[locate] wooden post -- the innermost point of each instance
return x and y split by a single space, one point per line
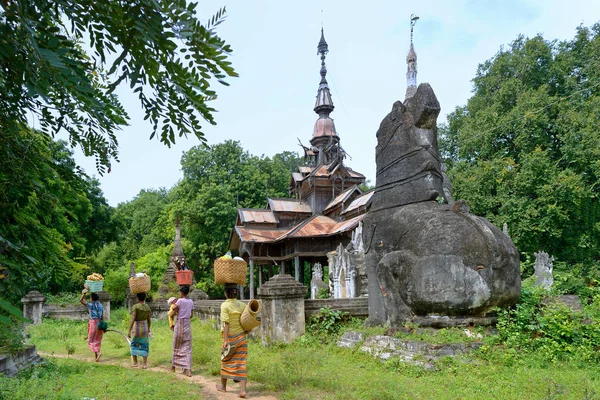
260 277
282 268
297 268
251 279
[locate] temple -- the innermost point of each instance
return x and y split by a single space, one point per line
320 223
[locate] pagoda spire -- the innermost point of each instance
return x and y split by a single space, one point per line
411 62
324 104
325 139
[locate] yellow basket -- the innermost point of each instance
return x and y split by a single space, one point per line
248 319
230 271
139 285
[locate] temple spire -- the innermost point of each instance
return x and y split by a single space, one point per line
325 138
324 104
411 62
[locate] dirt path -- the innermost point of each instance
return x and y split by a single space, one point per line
207 385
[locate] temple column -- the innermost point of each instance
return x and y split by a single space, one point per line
282 268
260 277
251 279
297 268
282 315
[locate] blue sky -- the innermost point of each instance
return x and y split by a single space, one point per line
275 52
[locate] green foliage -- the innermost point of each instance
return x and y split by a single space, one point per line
525 150
158 47
11 327
327 323
62 298
550 329
47 208
323 293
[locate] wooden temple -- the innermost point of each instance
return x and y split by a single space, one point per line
325 206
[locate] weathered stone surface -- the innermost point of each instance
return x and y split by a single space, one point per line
10 365
408 165
33 303
282 315
543 270
350 339
424 257
386 347
570 301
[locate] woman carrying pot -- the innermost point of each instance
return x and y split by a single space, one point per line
96 311
235 347
182 333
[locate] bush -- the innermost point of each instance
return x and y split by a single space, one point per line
552 330
327 323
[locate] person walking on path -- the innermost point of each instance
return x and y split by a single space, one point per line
140 344
96 311
182 337
235 347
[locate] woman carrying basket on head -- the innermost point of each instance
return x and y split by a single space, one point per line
233 362
140 344
94 337
182 337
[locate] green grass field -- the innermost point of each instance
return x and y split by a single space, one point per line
309 368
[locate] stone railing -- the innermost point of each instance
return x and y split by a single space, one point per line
34 308
76 312
356 307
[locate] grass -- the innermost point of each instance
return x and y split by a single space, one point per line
73 379
314 368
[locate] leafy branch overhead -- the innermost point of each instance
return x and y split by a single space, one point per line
62 62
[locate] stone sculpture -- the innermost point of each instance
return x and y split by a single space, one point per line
422 255
543 270
316 283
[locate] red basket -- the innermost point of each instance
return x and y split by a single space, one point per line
184 277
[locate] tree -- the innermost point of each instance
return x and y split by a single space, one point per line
157 47
525 150
45 211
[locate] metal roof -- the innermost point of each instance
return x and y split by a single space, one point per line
258 235
257 216
305 169
289 205
360 201
321 225
297 176
340 198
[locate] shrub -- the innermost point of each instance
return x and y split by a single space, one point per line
327 323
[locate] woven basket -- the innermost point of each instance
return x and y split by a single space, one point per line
139 285
95 286
184 277
230 271
248 319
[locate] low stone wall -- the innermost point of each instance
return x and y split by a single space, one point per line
76 312
411 351
10 365
356 307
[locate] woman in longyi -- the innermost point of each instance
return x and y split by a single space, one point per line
233 364
182 337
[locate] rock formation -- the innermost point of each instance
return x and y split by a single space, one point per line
424 256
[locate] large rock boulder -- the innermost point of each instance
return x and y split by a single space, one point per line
424 256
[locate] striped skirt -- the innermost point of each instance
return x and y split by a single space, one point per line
94 335
235 367
182 344
140 344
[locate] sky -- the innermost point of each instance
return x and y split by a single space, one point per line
270 105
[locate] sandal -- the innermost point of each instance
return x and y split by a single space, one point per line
242 395
144 367
134 366
221 389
